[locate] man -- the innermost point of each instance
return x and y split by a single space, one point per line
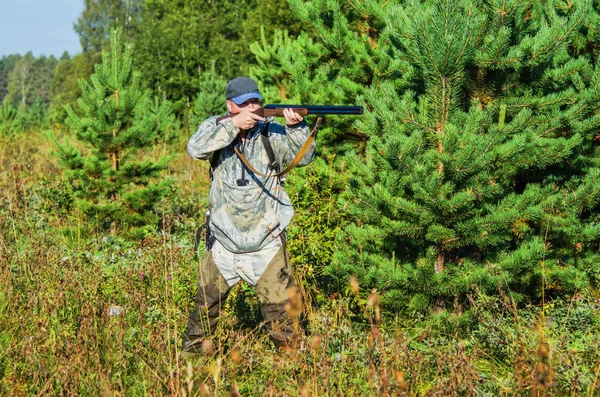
249 212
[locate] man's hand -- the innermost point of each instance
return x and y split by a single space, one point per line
246 120
291 117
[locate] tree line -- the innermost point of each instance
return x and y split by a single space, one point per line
179 45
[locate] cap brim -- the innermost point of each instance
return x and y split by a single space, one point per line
238 100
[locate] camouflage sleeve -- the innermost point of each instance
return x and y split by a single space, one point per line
210 137
288 140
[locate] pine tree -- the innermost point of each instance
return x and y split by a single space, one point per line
114 188
209 100
481 166
270 16
270 71
332 61
8 115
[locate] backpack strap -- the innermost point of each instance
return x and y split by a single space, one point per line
303 150
264 136
213 162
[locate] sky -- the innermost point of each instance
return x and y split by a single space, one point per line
41 26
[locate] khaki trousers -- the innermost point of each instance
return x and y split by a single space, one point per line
271 289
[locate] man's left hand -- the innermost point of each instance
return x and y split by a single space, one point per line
291 117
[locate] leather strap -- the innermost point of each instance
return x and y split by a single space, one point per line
273 163
303 150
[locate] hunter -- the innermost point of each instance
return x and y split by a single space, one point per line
250 212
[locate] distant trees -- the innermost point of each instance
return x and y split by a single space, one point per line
30 80
7 64
179 41
100 17
177 45
25 84
20 81
65 87
43 76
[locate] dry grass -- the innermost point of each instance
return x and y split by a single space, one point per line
57 336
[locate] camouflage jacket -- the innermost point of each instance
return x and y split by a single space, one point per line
246 218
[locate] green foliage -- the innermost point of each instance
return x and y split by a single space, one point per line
65 88
100 17
43 77
332 61
210 99
271 71
113 187
30 79
25 84
33 116
8 116
317 223
481 166
20 81
7 64
179 41
269 16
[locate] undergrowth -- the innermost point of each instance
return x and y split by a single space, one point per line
85 313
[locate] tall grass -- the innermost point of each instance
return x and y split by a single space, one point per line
82 313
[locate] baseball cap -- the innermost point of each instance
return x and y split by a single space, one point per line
240 89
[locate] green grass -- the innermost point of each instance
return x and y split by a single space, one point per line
59 279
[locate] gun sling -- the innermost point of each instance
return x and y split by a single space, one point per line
295 161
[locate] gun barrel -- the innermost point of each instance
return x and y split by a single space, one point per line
320 109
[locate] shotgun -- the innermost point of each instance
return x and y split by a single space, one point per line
303 110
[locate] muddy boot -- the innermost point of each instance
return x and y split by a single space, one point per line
273 295
212 292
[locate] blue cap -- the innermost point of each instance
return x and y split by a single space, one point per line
240 89
243 98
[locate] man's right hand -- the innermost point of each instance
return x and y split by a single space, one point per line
246 120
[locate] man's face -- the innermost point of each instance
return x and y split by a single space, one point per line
251 105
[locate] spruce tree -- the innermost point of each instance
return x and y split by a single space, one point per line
481 166
114 186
